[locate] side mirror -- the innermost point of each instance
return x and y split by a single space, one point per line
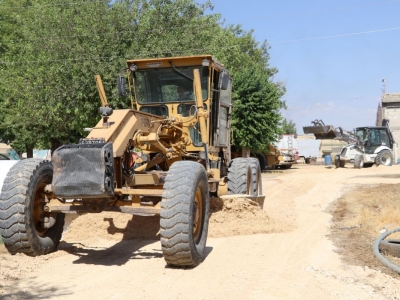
121 84
223 82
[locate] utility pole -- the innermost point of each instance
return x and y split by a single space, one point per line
384 85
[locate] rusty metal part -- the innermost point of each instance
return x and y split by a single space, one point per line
222 187
139 192
134 208
100 89
198 215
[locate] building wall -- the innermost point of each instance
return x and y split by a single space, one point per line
393 115
391 111
4 148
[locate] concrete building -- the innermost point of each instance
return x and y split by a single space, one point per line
390 110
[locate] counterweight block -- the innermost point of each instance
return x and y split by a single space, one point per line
83 171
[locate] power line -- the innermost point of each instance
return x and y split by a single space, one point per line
108 2
335 36
119 32
208 49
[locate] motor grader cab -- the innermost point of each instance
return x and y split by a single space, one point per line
166 156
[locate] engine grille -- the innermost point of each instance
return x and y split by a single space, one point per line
83 171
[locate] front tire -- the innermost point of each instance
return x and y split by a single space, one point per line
24 225
184 214
358 161
385 158
337 161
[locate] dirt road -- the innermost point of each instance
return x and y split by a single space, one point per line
294 259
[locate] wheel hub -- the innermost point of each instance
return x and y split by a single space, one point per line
197 215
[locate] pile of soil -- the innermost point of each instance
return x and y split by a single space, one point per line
237 216
229 217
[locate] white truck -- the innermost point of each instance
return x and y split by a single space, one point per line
309 150
289 150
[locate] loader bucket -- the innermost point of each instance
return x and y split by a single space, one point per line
321 132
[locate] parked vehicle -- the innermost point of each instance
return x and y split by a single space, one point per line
373 145
166 156
366 146
309 150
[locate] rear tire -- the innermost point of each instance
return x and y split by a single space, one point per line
22 217
257 180
337 161
385 158
184 214
262 160
358 161
244 177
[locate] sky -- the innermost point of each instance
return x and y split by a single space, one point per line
332 55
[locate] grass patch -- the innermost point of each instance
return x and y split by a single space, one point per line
374 208
359 216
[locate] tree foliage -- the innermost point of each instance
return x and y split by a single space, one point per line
288 127
51 51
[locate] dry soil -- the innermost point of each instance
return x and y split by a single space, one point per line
302 245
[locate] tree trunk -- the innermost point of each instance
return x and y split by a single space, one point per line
54 145
245 152
29 151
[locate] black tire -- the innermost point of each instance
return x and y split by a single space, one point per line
285 167
22 216
262 160
390 247
358 161
256 177
385 158
337 161
244 177
184 214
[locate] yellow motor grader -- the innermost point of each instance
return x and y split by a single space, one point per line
165 156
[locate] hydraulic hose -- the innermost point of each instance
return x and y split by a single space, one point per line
383 259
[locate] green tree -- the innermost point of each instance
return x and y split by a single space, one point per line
288 127
48 74
50 53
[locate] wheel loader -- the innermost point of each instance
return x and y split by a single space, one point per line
167 156
366 146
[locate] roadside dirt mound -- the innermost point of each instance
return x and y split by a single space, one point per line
234 216
359 218
237 216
